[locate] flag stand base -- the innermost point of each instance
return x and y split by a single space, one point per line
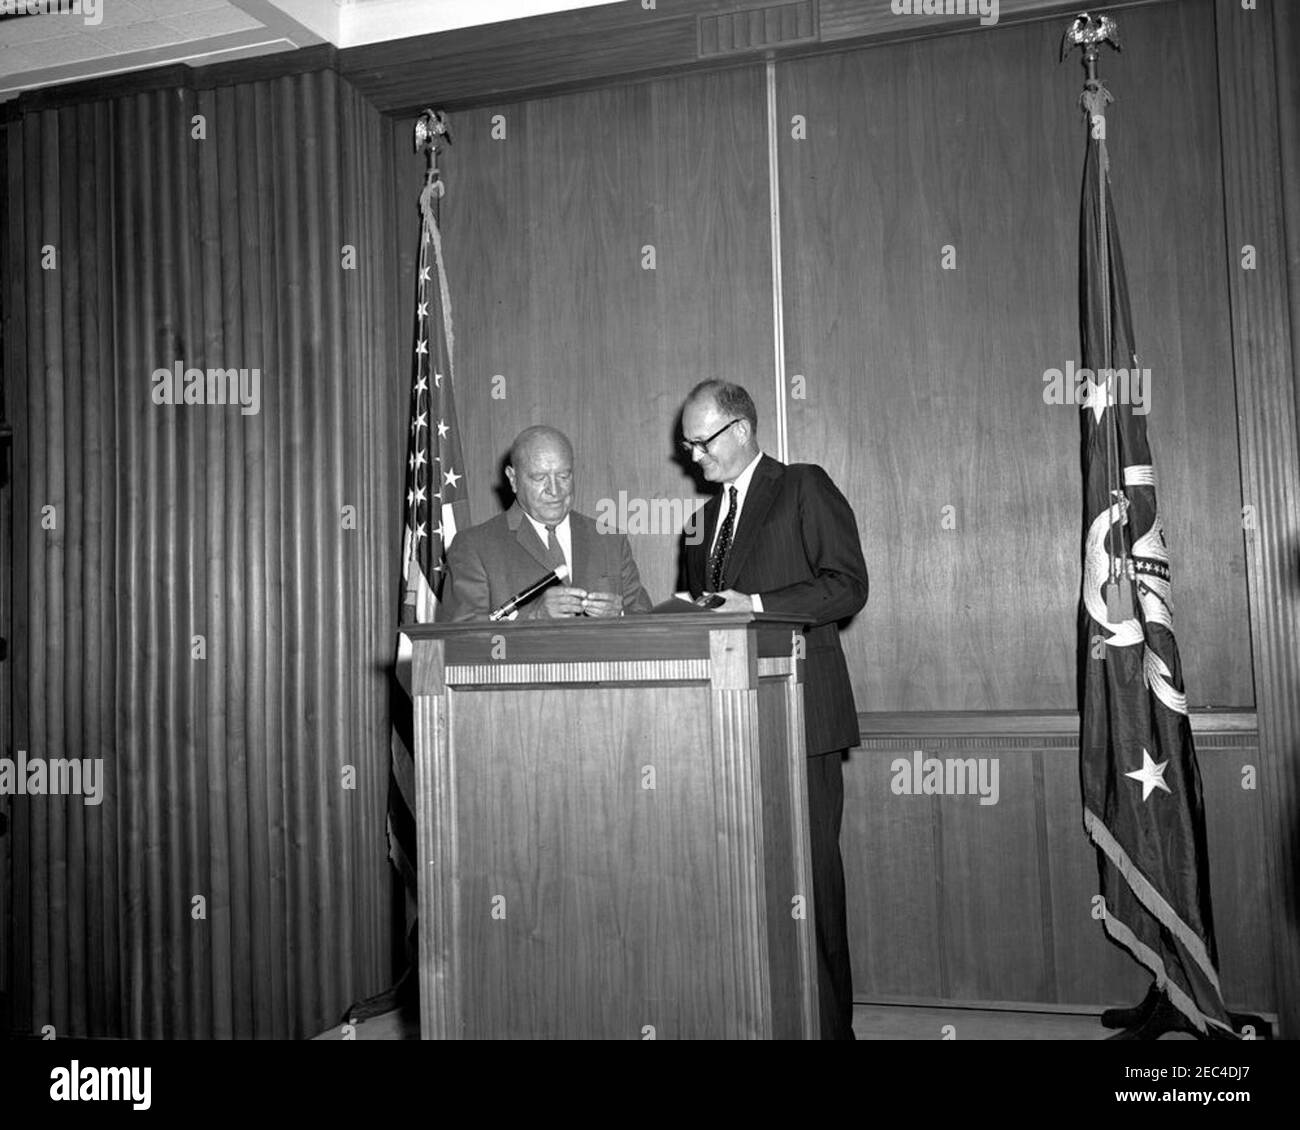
404 995
1131 1017
1156 1016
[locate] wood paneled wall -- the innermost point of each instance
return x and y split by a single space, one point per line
556 319
957 901
924 385
919 389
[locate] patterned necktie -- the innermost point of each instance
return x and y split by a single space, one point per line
724 542
553 548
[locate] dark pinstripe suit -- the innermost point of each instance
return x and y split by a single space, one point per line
797 547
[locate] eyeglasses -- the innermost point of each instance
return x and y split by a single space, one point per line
702 445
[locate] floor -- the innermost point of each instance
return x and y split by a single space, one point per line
870 1022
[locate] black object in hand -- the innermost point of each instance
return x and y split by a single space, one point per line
559 573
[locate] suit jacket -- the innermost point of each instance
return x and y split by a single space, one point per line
488 563
796 546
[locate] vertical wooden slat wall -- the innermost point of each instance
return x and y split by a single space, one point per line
211 598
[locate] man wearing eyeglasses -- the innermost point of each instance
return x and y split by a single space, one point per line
500 558
784 539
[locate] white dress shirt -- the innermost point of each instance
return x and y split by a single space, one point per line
563 534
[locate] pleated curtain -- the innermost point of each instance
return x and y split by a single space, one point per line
205 596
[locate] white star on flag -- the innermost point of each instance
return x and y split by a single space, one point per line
451 477
1097 397
442 428
1151 775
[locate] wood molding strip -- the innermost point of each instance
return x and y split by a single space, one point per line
1265 410
574 50
1033 723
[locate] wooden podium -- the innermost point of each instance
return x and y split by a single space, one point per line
612 820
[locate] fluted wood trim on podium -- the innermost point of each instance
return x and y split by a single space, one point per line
441 1005
609 671
1270 455
738 803
798 785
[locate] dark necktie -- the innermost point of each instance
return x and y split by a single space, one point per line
724 542
553 548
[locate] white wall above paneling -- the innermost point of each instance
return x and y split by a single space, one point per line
44 42
372 21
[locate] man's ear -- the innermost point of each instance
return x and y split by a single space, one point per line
510 478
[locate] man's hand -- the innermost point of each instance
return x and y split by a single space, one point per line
560 601
733 601
603 604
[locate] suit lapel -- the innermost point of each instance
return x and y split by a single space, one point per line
758 500
527 536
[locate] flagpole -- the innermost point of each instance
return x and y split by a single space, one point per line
430 127
1089 32
434 495
1133 724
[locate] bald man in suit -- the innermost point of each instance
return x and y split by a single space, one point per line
784 539
489 563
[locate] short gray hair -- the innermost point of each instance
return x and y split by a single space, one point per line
732 400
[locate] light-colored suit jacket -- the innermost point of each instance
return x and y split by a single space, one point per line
488 563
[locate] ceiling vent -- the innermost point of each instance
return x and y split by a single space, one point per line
756 29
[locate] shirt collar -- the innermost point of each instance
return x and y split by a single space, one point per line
741 481
540 527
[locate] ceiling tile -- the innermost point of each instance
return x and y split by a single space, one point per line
119 13
195 25
31 29
139 37
162 9
50 53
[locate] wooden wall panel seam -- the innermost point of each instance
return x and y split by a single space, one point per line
1266 401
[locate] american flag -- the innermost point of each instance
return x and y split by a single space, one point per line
436 506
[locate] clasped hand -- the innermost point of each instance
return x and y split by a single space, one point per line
561 600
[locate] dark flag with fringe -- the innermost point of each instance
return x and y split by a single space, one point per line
436 506
1142 803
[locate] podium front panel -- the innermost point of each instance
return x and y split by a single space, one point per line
612 824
